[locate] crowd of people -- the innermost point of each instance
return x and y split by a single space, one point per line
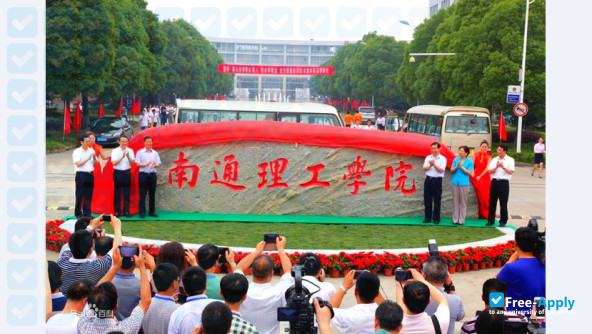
98 285
356 121
155 115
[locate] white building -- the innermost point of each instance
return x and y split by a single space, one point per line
436 5
277 53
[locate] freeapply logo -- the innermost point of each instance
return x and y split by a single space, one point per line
497 299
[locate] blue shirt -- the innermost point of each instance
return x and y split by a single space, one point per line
459 177
525 279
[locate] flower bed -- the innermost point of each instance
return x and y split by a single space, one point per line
466 259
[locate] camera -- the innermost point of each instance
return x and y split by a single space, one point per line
541 240
522 326
222 255
129 251
402 275
300 312
433 248
106 218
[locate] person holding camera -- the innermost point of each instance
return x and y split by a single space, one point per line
234 287
103 302
76 263
263 298
434 167
207 259
128 285
314 277
185 318
435 271
360 317
489 286
414 295
166 281
524 273
66 321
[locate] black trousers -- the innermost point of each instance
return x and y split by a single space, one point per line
500 189
432 191
147 185
121 181
85 182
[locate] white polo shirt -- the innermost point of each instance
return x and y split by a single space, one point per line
81 155
440 162
500 173
356 319
124 164
422 323
144 156
263 299
188 316
326 292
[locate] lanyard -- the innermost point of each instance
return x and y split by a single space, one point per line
118 275
197 298
237 314
164 298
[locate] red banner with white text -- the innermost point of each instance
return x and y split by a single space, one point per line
275 70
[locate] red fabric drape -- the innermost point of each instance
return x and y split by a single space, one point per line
482 185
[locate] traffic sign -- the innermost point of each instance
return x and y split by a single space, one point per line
520 109
513 94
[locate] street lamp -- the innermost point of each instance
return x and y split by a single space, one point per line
407 23
412 58
522 75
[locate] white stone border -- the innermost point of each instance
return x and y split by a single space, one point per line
508 236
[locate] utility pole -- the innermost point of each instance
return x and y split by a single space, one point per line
522 76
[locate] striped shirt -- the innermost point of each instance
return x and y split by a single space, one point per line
156 320
469 326
91 324
78 269
240 326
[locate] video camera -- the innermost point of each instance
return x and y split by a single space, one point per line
541 240
300 312
522 326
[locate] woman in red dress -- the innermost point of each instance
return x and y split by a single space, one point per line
482 178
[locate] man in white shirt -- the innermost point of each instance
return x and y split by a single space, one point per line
150 117
122 158
314 277
263 299
360 317
434 167
66 321
155 116
144 120
414 296
188 316
148 160
84 159
501 169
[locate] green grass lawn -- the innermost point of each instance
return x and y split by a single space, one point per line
306 236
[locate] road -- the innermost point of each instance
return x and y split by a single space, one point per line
527 198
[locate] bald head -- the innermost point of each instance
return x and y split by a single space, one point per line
262 268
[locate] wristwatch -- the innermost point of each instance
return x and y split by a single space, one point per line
343 288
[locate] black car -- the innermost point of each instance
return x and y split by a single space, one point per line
108 130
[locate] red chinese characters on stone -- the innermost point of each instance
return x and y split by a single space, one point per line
276 168
355 172
178 173
390 172
230 175
314 181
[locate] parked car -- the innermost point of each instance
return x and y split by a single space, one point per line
368 113
109 129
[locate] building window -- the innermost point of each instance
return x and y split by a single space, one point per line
433 10
297 49
272 60
272 48
322 49
247 59
297 60
318 60
224 47
228 58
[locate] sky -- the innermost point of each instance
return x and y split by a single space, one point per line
346 20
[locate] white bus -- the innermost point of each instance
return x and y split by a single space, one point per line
452 126
203 111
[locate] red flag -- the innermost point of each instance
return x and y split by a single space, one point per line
67 119
101 110
78 118
118 113
136 106
501 130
